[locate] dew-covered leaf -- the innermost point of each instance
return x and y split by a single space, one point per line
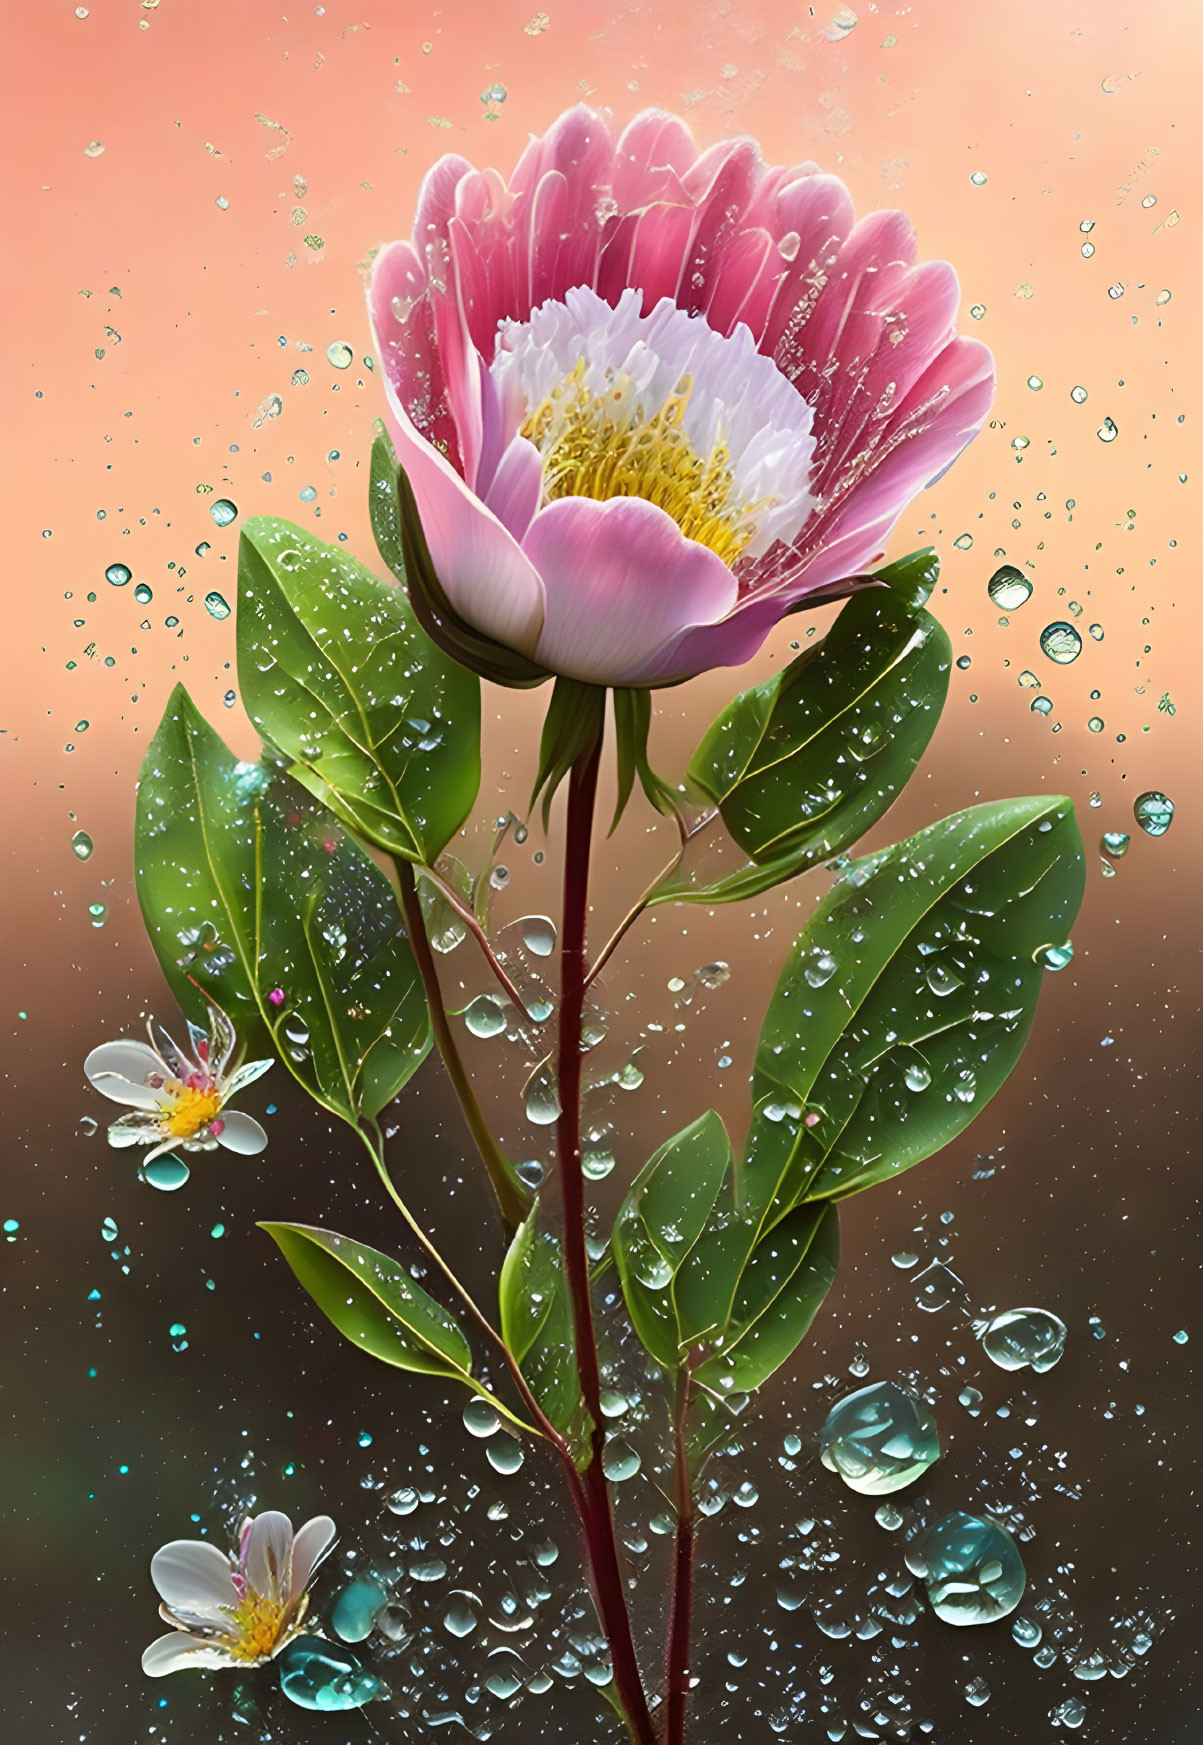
253 889
780 1289
907 1000
374 1303
802 765
660 1221
536 1322
374 719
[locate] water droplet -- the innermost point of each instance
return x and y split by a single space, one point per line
1108 430
315 1674
916 1076
484 1016
1022 1338
1154 812
223 511
597 1164
217 606
480 1418
354 1611
144 594
98 913
1035 383
505 1455
1096 631
1079 395
12 1227
713 975
1009 588
538 934
1115 843
403 1502
1060 642
619 1460
1096 724
340 354
973 1571
166 1173
887 1516
459 1618
542 1099
821 970
977 1692
879 1439
118 574
1026 1632
978 178
81 845
1181 1337
1070 1713
1054 956
108 1230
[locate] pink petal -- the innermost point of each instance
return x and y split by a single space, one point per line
481 566
403 326
653 153
621 579
514 493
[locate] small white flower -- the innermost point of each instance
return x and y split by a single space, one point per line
238 1610
179 1099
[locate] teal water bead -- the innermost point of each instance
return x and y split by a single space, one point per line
879 1439
1025 1339
972 1568
316 1674
354 1611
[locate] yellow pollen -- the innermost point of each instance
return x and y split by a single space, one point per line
591 447
190 1110
256 1626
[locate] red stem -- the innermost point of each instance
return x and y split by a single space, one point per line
677 1652
596 1518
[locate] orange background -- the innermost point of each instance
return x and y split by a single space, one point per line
158 292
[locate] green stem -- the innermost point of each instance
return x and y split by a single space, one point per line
513 1199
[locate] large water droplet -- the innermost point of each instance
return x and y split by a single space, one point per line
480 1418
1115 843
879 1439
224 511
619 1460
354 1611
538 934
459 1618
315 1674
1060 642
217 606
166 1173
81 845
505 1455
542 1099
340 354
144 594
484 1016
973 1571
1019 1338
118 574
1009 588
1154 812
1054 956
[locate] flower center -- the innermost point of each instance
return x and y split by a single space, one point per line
256 1626
190 1109
660 406
592 446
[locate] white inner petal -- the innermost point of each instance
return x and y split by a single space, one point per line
738 397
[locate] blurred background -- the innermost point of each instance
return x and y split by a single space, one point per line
191 193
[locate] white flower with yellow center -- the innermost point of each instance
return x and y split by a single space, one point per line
179 1099
238 1610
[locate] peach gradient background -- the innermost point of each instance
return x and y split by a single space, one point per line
146 325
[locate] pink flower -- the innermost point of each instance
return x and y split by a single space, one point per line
649 400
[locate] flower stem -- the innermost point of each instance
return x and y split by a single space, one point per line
676 1662
513 1199
597 1520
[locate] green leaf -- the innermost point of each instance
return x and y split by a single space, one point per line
907 1000
779 1292
659 1223
802 765
374 1303
375 720
252 888
536 1323
632 723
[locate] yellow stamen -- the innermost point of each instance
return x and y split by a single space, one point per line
190 1110
257 1625
592 448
